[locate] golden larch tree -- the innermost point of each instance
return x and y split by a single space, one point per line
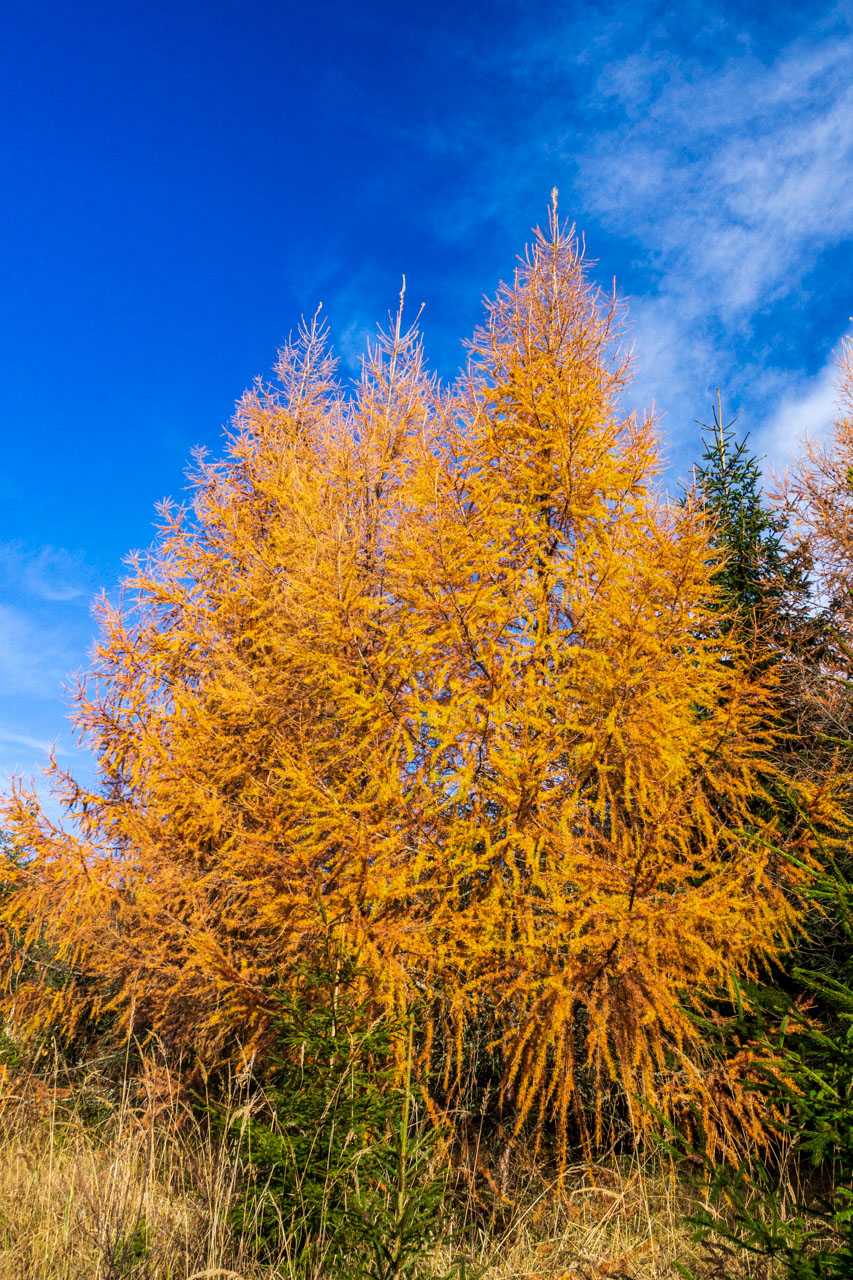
437 670
816 497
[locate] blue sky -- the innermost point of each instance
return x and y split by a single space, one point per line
181 181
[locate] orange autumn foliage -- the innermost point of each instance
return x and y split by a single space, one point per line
437 669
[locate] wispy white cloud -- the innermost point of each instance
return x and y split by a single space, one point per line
43 747
714 173
731 181
52 574
45 628
807 409
35 659
353 301
352 344
732 178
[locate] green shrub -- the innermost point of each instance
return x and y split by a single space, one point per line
341 1167
793 1202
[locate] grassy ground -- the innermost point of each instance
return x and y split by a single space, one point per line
108 1182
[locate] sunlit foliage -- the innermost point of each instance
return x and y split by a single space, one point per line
439 671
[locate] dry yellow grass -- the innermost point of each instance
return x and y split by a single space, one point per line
131 1186
111 1184
625 1220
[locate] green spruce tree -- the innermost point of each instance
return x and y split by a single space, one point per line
761 582
800 1019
